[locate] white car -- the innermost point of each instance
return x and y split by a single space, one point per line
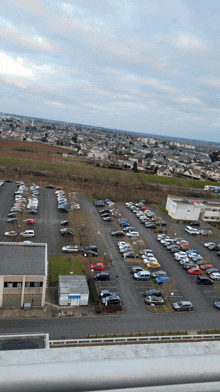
11 234
70 249
132 234
27 233
215 276
207 244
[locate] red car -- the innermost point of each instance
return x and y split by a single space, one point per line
59 188
194 271
97 266
29 221
206 266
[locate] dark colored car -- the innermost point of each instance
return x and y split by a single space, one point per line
111 300
157 274
66 231
118 234
211 270
8 181
34 212
12 214
99 203
194 223
106 293
150 225
217 304
90 247
213 247
107 219
203 280
89 252
182 306
11 220
49 186
104 211
101 276
155 293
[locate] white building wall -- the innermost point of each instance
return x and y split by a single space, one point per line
84 299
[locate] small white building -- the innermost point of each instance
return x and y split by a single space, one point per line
73 290
193 209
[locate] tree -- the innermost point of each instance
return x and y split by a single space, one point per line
135 167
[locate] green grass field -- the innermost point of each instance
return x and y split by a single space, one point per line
62 265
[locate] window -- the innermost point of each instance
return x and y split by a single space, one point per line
12 285
33 284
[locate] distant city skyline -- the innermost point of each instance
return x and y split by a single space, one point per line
148 67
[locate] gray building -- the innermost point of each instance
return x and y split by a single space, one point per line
73 290
23 274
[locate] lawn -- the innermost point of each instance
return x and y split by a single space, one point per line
62 265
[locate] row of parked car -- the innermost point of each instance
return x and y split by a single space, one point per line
190 260
146 216
25 200
192 230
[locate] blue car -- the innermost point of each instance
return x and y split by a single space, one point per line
124 224
161 279
192 251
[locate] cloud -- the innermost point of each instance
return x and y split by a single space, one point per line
20 67
187 43
157 84
192 101
8 31
210 81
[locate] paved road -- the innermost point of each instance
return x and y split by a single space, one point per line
136 317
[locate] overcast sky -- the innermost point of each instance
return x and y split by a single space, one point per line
138 65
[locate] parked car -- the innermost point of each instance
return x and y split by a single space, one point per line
153 292
101 276
154 299
64 222
132 234
29 221
11 233
136 269
162 279
182 306
195 223
107 219
207 244
34 212
106 293
66 231
217 304
142 275
117 233
97 266
27 233
90 252
203 280
49 186
153 265
70 249
215 276
90 247
111 300
11 220
194 271
204 267
157 274
129 254
211 271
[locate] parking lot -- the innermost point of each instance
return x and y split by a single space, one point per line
131 292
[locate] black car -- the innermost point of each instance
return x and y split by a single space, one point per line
66 231
12 214
104 211
63 209
211 270
49 186
90 247
33 212
194 223
150 226
8 181
155 293
101 276
89 252
203 280
158 274
118 234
